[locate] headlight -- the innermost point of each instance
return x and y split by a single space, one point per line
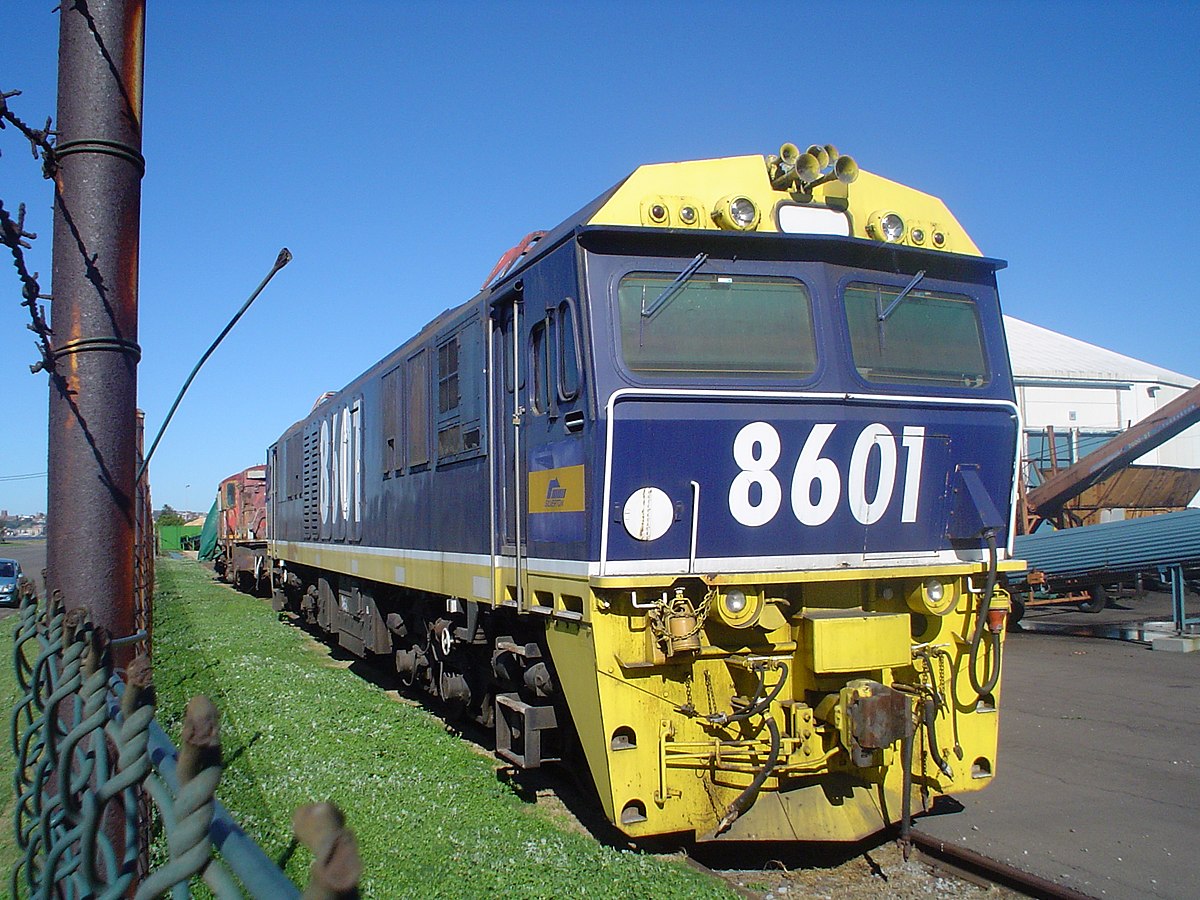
743 212
737 609
886 226
737 212
735 601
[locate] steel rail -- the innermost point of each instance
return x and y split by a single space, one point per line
993 870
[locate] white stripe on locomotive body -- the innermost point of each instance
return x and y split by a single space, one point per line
631 568
775 563
802 563
569 567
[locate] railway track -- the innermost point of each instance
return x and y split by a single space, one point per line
871 869
975 867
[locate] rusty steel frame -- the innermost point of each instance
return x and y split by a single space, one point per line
1048 499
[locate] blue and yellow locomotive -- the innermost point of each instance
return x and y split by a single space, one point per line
709 489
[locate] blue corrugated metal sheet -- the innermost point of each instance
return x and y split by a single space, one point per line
1114 548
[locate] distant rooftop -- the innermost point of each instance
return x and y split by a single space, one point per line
1038 352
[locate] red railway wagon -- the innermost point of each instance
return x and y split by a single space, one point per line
242 538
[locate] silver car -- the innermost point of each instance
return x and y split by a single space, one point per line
10 574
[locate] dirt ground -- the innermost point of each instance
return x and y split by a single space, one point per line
880 872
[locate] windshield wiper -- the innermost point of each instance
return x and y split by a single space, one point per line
676 286
900 296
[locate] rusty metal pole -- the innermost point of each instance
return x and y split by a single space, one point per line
93 385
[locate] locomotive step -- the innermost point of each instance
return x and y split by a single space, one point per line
521 723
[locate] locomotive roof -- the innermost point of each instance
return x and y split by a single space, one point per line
695 197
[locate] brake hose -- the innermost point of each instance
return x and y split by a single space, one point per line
977 639
927 699
746 797
760 704
929 709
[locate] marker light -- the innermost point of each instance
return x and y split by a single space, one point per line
658 213
687 215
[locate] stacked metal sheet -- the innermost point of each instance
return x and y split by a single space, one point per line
1114 549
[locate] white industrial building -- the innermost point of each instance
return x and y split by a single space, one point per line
1087 395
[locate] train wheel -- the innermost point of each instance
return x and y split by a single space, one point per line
1097 600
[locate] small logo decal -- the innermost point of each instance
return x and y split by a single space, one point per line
556 494
558 490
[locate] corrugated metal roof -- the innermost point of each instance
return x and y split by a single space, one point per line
1114 548
1037 352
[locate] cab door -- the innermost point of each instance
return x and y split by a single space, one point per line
555 475
507 464
538 409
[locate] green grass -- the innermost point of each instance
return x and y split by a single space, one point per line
9 852
431 817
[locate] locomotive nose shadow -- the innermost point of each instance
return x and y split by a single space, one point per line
561 793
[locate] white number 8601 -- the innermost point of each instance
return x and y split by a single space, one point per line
757 449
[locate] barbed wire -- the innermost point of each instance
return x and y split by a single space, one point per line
39 138
14 236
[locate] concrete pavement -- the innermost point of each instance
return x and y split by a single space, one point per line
1096 784
31 554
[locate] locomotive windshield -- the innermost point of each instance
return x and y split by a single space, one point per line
732 325
928 338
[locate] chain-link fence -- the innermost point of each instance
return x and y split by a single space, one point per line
90 755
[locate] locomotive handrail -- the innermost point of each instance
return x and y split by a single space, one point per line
509 258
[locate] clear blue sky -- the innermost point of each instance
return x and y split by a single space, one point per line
399 148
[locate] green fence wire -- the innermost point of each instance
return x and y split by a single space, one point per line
92 761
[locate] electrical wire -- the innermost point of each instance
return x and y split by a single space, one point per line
977 639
